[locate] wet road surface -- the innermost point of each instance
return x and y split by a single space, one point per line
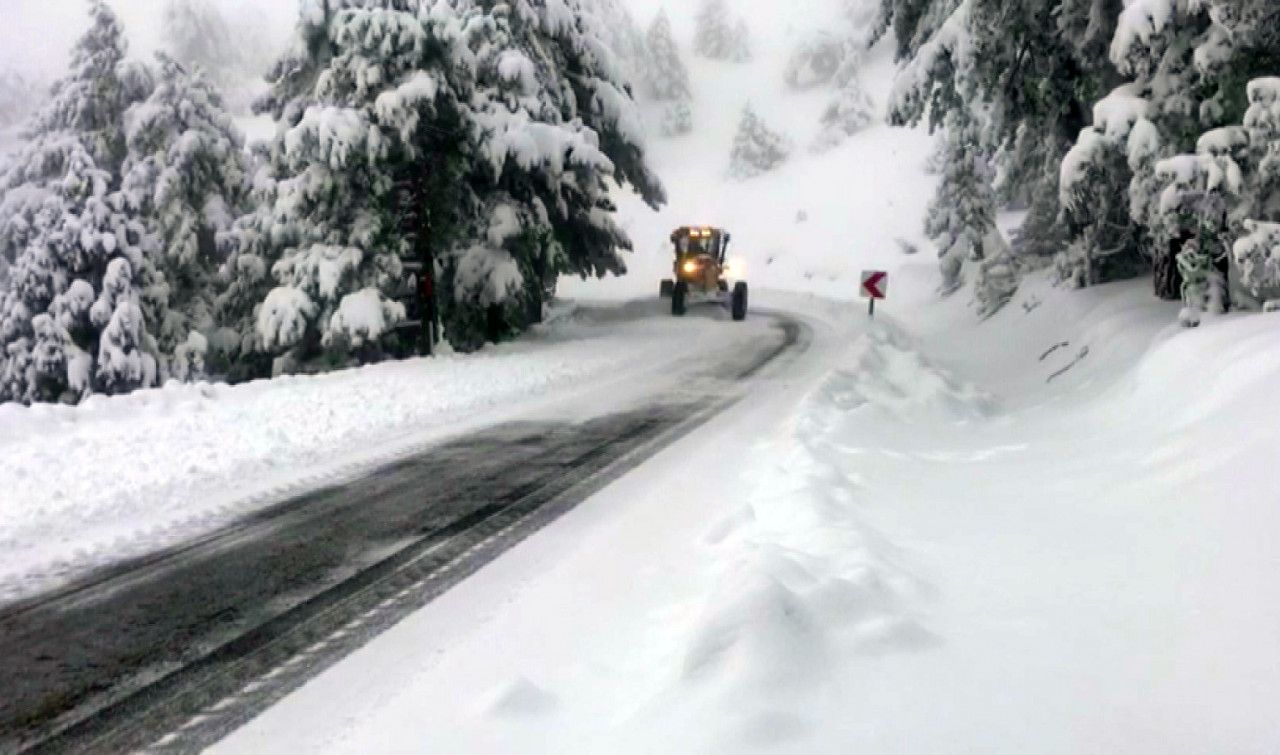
173 651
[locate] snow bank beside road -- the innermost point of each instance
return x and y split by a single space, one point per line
805 591
120 476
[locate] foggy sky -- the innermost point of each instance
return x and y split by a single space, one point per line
36 35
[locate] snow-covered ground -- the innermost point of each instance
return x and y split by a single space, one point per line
903 546
1050 532
122 476
1053 531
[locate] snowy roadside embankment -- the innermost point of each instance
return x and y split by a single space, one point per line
806 593
117 477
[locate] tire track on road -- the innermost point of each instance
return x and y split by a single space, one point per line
173 651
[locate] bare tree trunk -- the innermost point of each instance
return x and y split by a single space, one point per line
1166 279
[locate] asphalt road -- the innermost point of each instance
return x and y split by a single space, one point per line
173 651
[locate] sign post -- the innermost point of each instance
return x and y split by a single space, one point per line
875 285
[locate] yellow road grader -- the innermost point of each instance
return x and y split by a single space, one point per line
703 271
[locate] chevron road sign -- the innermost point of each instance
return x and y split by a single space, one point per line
875 285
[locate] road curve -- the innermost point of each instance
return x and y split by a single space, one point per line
172 651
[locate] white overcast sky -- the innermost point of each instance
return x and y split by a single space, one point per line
35 35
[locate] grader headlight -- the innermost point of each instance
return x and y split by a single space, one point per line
690 266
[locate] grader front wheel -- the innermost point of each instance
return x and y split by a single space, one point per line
738 305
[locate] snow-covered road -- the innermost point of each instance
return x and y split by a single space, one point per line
898 546
120 477
1052 532
280 593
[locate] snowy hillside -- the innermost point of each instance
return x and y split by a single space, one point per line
817 221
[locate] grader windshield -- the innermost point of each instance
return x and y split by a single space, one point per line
693 242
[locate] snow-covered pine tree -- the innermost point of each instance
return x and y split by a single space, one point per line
125 359
196 34
757 149
1256 251
1154 45
938 78
1257 255
244 280
477 139
1104 243
996 276
1262 123
1199 192
1190 62
19 98
185 175
1042 234
850 110
935 42
349 98
624 40
815 60
961 217
1040 65
233 51
675 118
68 319
714 31
1036 66
913 22
554 125
835 57
668 78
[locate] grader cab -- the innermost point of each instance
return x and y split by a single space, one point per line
702 272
